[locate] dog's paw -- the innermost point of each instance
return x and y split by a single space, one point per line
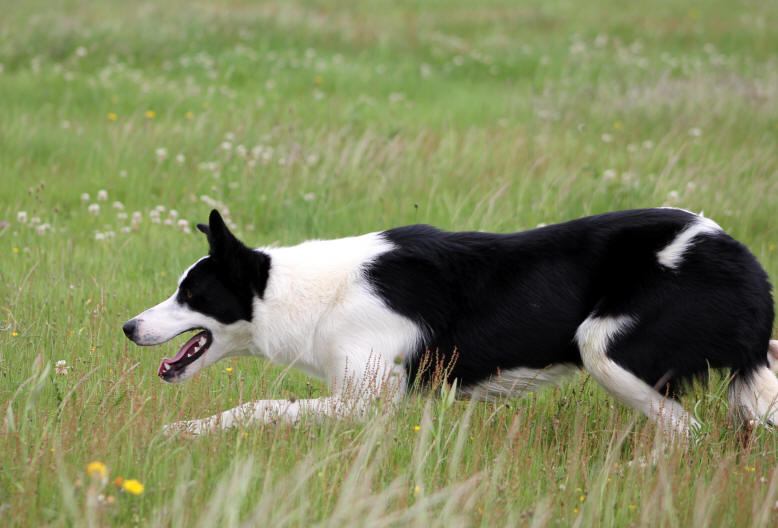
184 428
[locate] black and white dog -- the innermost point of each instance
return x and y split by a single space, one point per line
643 300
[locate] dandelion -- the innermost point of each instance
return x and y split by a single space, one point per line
15 250
416 488
94 209
228 369
14 334
112 116
416 428
62 368
575 511
161 154
150 114
189 115
21 217
318 79
102 195
97 469
632 507
133 486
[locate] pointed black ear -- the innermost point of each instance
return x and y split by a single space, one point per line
221 240
203 228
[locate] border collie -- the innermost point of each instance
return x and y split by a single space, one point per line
643 300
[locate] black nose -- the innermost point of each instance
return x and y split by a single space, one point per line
129 328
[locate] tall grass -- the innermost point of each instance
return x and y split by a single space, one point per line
322 119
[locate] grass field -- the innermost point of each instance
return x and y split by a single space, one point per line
123 123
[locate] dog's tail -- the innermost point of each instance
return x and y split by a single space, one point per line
753 397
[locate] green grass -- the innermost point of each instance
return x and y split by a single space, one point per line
343 119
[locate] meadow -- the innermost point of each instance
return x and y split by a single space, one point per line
123 123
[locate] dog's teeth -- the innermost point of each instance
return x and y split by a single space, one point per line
167 367
196 348
201 342
189 355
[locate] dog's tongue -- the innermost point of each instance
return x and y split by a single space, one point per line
187 348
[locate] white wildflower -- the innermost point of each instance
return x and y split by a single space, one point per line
121 216
173 214
648 144
35 220
99 236
180 158
609 174
84 197
21 216
94 209
309 197
102 195
62 367
118 205
161 154
81 51
607 138
695 132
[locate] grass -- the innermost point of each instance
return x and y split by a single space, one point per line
322 119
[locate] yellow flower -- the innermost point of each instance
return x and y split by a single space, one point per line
97 469
575 511
772 247
150 114
133 486
114 98
318 79
15 250
189 115
617 125
416 428
14 334
416 488
583 497
228 369
632 506
118 481
112 116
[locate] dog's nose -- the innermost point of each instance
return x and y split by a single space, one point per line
129 328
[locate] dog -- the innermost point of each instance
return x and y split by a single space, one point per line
642 300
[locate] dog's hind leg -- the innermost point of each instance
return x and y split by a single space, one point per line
753 397
594 337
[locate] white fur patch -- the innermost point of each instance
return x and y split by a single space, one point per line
319 315
513 382
672 254
593 337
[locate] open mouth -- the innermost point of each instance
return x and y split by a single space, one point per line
169 369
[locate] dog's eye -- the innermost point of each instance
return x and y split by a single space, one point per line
188 294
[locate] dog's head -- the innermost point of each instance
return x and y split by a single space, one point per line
215 296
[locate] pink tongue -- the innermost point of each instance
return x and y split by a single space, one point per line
184 349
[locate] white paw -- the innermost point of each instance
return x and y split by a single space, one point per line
185 427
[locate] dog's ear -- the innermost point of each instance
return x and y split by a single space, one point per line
221 240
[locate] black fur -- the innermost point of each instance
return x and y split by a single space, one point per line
515 300
223 284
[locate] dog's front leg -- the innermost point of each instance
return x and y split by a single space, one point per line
268 411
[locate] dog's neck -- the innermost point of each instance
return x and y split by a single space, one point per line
306 283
